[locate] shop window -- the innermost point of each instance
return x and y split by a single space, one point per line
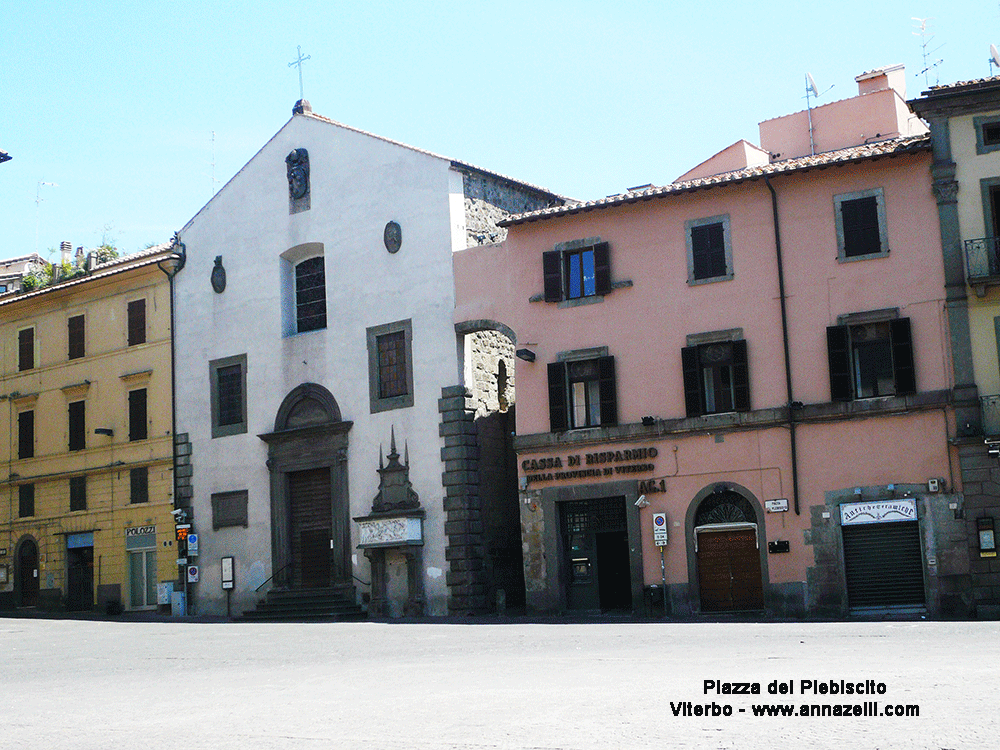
77 425
26 349
228 395
139 485
861 228
78 493
136 322
390 366
577 270
582 393
709 249
76 330
26 434
138 425
25 500
869 359
716 378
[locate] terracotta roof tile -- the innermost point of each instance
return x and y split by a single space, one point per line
892 147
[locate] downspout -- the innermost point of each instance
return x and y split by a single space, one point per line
784 336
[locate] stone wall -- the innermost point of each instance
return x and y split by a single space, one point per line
492 387
490 199
981 485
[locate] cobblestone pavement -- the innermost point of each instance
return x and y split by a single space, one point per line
184 685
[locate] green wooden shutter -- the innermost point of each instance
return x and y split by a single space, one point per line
902 356
558 407
838 351
692 381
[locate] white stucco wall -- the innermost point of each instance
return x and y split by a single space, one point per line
358 184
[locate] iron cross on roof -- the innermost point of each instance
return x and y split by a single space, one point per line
298 63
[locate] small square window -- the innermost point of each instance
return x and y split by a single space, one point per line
582 393
78 493
76 331
139 485
716 378
390 366
869 359
861 227
25 500
26 349
577 270
709 249
987 130
227 379
137 322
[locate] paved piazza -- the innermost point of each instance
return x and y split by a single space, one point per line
186 685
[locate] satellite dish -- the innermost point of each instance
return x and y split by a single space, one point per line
994 57
811 83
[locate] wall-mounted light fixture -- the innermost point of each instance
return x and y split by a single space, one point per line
648 421
526 354
104 431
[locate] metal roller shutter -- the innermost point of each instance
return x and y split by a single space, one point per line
884 564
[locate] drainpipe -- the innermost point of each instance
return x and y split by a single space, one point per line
784 335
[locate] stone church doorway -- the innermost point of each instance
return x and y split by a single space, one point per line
310 508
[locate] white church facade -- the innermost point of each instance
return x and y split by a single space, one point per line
328 445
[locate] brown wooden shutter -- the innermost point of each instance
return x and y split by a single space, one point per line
137 429
602 268
902 356
26 349
741 376
552 270
838 351
608 389
77 425
692 381
137 322
75 330
558 407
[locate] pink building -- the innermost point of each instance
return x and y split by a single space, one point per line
739 384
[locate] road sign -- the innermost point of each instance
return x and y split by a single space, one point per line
192 574
192 540
660 529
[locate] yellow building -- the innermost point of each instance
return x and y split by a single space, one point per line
85 409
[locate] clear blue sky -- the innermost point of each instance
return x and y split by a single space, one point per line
116 102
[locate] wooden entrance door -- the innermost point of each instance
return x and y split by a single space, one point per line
80 578
729 570
311 527
27 573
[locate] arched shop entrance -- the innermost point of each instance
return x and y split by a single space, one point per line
727 543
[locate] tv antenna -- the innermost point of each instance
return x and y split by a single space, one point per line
925 42
814 92
994 58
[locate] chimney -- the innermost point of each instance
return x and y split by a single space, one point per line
887 77
65 247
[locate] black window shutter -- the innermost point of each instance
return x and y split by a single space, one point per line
558 410
552 269
741 376
77 426
26 434
902 356
692 381
837 345
608 389
137 415
602 268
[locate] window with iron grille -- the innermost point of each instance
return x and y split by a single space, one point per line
78 493
310 294
76 330
78 425
861 228
26 349
138 425
390 366
25 500
709 249
26 434
137 322
139 485
227 377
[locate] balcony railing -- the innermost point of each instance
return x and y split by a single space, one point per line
982 257
991 415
